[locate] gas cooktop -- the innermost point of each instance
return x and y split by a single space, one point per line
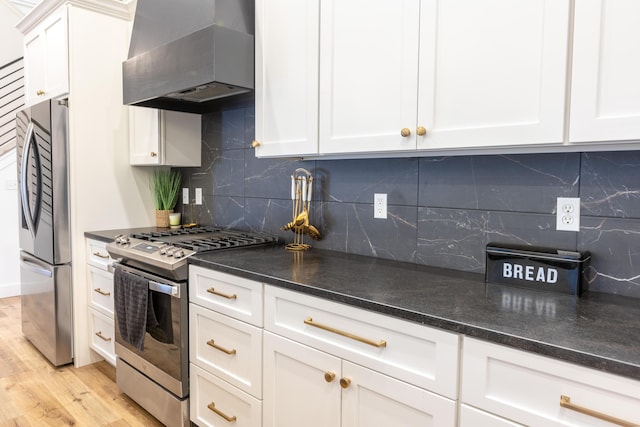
165 252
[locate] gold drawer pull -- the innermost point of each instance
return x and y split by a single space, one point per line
213 344
102 337
98 254
212 407
220 294
101 292
565 402
309 321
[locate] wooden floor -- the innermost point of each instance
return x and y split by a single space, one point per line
34 393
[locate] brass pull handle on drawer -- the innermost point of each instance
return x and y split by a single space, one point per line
102 337
213 344
220 294
309 321
101 292
100 255
212 407
565 402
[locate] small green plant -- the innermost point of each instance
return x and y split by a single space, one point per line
166 188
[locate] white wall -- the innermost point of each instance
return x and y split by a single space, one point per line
9 254
10 36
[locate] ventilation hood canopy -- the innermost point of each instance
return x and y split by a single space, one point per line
185 55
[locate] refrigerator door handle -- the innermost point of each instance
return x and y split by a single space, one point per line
26 211
31 266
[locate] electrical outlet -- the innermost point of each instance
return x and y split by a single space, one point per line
380 205
568 214
198 196
185 196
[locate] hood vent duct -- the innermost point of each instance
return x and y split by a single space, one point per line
185 55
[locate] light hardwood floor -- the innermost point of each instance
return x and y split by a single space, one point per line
34 393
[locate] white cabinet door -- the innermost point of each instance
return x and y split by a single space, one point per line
368 75
167 138
286 91
492 72
605 91
375 400
47 59
296 391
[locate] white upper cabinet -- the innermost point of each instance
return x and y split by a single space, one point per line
385 76
492 73
164 138
286 79
46 59
368 75
605 91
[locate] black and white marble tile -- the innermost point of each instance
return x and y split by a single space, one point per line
515 183
610 184
614 244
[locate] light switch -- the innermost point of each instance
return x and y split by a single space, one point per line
198 196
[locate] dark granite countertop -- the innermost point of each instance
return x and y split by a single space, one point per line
597 330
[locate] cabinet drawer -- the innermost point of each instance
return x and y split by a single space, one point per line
97 254
226 347
526 388
100 289
213 399
102 335
231 295
414 353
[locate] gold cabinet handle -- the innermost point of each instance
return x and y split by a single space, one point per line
421 131
39 92
329 376
220 294
405 132
565 402
102 337
309 321
255 144
101 292
213 344
345 382
101 255
153 154
212 407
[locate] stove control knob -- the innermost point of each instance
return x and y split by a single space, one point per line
125 240
171 251
178 254
163 250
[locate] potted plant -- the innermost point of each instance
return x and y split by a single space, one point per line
166 188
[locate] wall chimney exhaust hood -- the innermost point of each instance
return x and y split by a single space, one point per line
185 55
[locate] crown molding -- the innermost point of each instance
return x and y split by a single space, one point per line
122 9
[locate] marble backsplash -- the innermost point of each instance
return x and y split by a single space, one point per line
442 211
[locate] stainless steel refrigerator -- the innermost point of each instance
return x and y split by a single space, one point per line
45 241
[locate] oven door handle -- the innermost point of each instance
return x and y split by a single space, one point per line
164 288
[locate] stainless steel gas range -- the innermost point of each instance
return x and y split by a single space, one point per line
151 312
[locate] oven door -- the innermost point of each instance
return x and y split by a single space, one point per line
165 354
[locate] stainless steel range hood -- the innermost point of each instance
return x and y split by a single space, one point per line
185 55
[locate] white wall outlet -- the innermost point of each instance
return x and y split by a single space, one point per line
380 205
568 214
185 196
198 196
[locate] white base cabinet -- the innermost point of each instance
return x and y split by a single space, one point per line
327 364
100 300
305 386
527 388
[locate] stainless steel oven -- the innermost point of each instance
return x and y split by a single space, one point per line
151 304
153 370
